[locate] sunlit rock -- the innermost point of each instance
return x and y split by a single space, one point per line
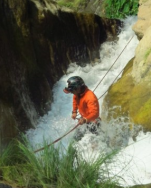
144 18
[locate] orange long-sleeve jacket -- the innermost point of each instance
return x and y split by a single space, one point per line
87 104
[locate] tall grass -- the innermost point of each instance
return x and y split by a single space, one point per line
52 167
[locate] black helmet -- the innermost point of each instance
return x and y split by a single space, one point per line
74 83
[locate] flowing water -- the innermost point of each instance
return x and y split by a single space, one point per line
113 135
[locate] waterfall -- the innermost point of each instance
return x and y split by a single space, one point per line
112 135
58 120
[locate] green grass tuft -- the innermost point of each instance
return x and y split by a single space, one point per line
52 167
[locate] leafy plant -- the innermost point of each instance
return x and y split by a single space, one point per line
68 4
120 9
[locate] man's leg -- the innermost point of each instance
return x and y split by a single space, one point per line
93 127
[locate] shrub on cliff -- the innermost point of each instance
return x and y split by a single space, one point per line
120 9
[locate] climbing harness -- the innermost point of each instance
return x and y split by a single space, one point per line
93 91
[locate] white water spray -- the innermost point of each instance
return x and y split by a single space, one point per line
58 121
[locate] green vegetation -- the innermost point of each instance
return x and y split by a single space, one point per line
53 167
147 53
110 8
74 4
120 9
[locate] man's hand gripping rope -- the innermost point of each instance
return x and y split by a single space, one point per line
81 120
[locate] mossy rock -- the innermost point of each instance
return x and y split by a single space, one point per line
142 186
125 98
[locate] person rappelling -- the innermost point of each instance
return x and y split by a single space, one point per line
84 101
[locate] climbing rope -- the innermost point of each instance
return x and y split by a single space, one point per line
111 84
58 138
113 63
93 91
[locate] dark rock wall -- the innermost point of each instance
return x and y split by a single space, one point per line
38 40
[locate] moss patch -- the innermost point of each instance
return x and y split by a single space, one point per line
143 115
127 98
147 54
119 94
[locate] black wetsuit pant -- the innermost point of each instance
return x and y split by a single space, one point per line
92 127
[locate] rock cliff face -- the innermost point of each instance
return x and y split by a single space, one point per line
38 40
133 91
